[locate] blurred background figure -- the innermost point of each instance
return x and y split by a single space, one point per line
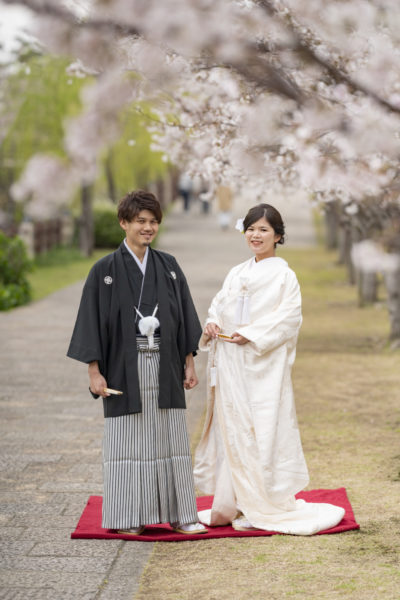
185 186
201 193
224 204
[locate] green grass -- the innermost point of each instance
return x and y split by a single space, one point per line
58 268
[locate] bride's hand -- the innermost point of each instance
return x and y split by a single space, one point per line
238 339
212 330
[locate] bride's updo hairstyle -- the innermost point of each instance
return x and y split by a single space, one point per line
270 214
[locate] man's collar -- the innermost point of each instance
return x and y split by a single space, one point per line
142 265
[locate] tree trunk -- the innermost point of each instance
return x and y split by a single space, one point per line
342 244
331 224
108 169
392 281
154 188
367 284
86 228
345 244
168 192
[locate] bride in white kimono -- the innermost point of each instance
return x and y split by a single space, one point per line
250 455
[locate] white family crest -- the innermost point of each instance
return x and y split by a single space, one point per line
173 274
108 280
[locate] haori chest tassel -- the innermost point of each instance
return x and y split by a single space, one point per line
148 325
242 314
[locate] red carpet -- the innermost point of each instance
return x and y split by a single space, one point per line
89 525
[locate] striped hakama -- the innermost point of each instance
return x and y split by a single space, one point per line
147 467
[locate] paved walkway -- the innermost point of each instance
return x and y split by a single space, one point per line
51 429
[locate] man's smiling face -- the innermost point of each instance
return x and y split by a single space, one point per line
141 231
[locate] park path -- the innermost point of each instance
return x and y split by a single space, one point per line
51 429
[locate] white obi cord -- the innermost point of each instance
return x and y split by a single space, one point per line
148 325
242 313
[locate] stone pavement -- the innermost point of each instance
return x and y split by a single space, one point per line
51 429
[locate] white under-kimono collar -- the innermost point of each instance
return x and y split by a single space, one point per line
271 260
142 265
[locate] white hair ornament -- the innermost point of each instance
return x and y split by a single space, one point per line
239 225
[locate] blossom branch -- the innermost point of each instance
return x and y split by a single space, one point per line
253 68
338 74
50 9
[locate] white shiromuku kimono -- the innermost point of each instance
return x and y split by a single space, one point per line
250 455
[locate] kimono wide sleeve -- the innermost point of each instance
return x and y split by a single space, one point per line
191 321
86 341
278 326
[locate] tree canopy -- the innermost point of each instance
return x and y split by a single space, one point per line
266 92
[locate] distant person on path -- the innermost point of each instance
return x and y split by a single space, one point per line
200 190
138 330
250 456
224 202
185 186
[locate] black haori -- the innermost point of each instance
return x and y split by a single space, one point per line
104 331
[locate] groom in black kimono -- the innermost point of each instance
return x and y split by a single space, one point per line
134 282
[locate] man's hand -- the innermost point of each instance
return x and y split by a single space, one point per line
212 330
97 382
190 380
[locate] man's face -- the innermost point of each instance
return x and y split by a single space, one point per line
141 231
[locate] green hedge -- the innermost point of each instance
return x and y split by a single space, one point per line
107 230
14 266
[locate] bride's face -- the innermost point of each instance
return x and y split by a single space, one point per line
262 238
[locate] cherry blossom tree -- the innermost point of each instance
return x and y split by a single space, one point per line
277 93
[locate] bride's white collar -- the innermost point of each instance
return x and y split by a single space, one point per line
276 260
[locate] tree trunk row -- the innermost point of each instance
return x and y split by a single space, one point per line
341 233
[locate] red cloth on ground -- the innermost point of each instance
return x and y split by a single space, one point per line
89 525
